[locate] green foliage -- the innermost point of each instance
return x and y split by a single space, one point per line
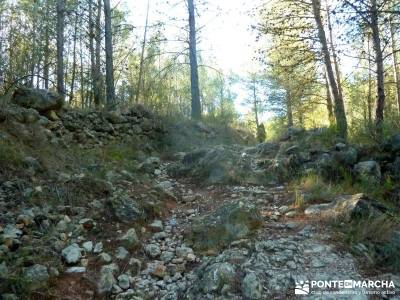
275 128
100 159
378 237
316 190
377 230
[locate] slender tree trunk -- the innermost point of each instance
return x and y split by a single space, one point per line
255 104
329 103
60 46
301 118
11 68
221 103
139 84
340 115
2 62
46 52
33 55
289 109
32 71
82 79
37 68
194 72
93 57
71 91
110 89
395 63
334 55
46 59
99 90
369 97
380 101
89 92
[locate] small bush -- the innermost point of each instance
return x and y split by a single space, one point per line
316 190
375 230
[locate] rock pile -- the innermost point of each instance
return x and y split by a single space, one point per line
40 113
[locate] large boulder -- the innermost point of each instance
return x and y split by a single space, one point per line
218 276
393 144
394 168
368 172
252 287
292 133
130 239
107 277
125 208
150 164
230 222
72 254
263 149
347 208
335 164
41 100
346 156
221 165
36 273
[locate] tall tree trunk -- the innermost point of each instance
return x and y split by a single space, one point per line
139 84
334 55
395 63
329 103
380 101
2 62
369 96
289 109
110 89
221 103
93 56
46 52
60 46
32 71
81 74
46 59
71 91
255 103
194 72
89 92
33 56
82 79
340 115
99 91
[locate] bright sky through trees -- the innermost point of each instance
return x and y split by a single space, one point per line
225 36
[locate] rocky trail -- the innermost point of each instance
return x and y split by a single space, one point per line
266 265
179 256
